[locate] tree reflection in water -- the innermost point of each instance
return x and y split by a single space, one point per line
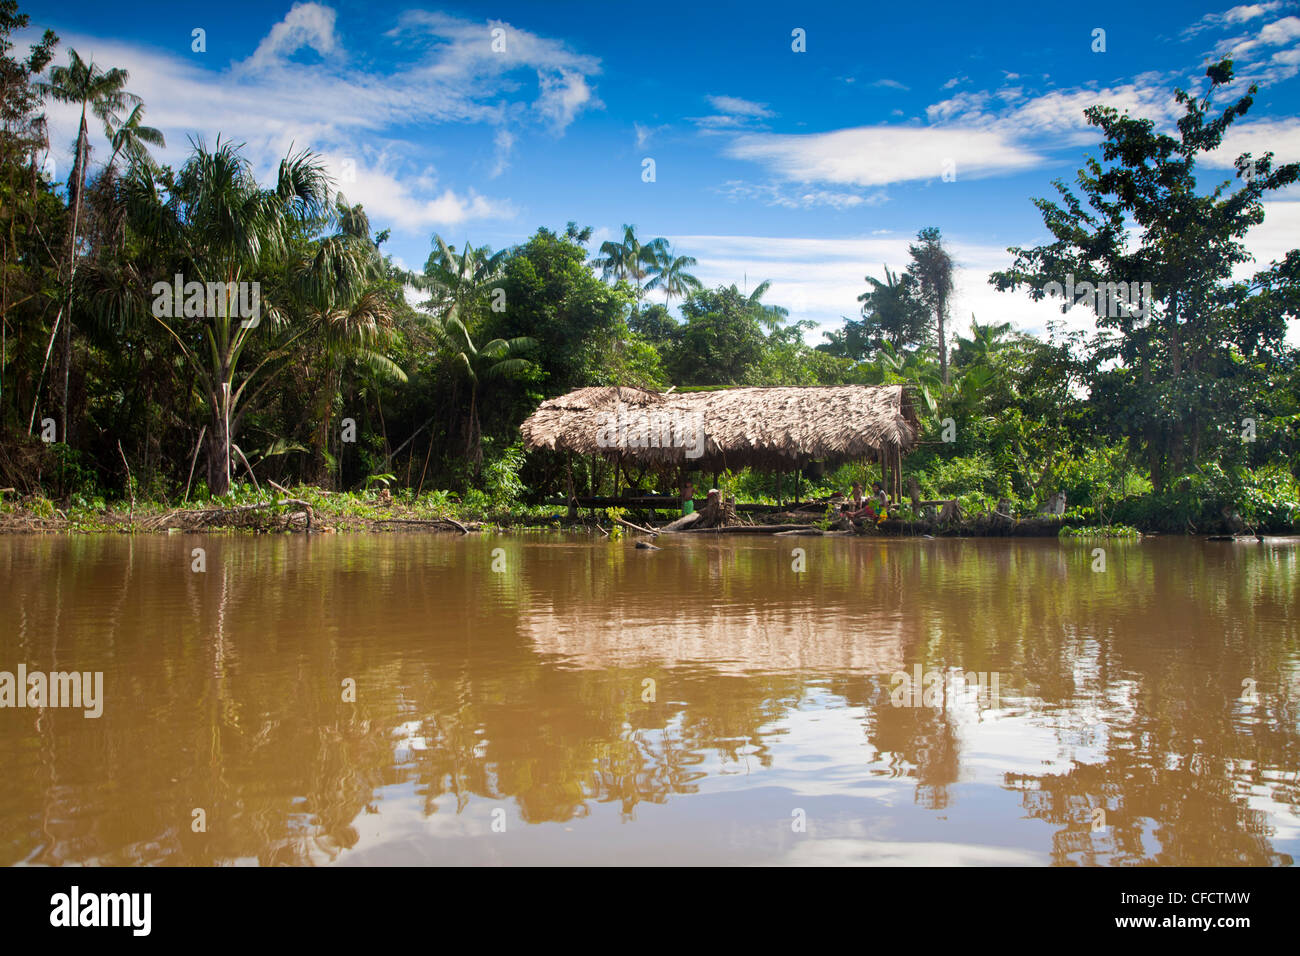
528 688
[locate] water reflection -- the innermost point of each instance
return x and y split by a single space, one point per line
594 703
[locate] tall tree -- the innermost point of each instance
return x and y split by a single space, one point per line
933 268
495 359
630 259
214 223
1171 366
131 138
461 284
985 339
668 272
771 317
28 208
893 312
722 341
103 94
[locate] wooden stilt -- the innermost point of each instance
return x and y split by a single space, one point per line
573 501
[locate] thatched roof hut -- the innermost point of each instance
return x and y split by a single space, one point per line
770 429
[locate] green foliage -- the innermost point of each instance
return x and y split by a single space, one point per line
1139 426
1099 531
41 507
501 481
1198 345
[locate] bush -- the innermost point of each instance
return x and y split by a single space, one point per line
501 481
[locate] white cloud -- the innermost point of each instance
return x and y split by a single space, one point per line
504 141
880 155
1277 33
1256 61
1239 14
733 113
305 25
776 194
1057 114
736 106
413 202
820 279
447 73
645 133
1257 137
563 97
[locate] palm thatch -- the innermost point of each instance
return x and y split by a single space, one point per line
771 429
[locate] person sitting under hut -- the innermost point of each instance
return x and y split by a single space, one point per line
859 507
880 498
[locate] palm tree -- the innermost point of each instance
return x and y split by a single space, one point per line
460 283
493 360
933 268
630 259
337 294
891 311
908 368
771 316
215 223
669 273
102 93
985 340
131 137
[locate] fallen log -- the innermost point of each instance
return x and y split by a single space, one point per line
682 523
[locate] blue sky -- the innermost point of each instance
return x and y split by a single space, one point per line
806 168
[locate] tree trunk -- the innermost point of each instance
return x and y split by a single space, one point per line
943 341
218 454
80 177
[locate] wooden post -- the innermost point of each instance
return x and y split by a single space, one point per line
778 488
573 502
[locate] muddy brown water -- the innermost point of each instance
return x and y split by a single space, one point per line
549 699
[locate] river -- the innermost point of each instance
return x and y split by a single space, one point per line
538 699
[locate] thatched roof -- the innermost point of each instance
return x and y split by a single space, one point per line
765 428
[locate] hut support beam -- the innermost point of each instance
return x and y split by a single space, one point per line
573 501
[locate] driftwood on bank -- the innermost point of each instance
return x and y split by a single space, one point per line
681 524
753 529
637 527
236 516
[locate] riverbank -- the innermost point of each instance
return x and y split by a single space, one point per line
313 510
